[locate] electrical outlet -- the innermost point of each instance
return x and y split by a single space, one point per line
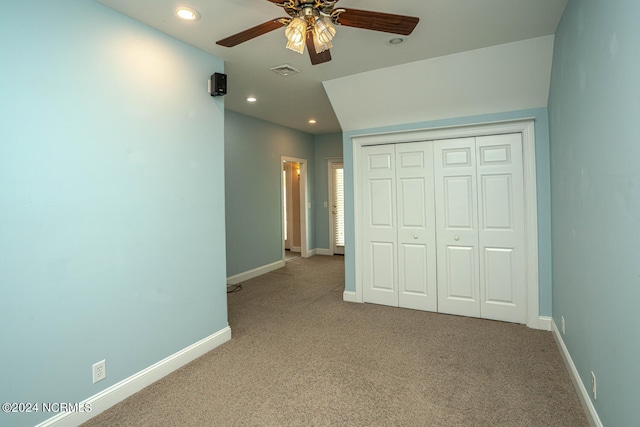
99 371
563 325
593 385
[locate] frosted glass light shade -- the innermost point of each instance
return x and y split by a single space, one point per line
324 29
296 32
319 45
296 47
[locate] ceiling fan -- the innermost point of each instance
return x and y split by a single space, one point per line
311 22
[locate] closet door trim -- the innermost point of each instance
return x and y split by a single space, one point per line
523 126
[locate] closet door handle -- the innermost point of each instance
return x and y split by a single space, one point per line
415 236
456 238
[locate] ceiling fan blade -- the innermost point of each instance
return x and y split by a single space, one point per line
253 32
316 58
377 21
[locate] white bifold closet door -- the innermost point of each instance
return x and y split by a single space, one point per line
399 225
480 227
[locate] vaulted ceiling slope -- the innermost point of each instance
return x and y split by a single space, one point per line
509 77
446 27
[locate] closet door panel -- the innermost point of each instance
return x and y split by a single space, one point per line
460 274
457 226
501 228
382 262
416 226
498 277
413 270
380 251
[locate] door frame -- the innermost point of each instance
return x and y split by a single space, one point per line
522 126
304 212
330 162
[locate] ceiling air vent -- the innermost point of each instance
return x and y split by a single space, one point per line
284 70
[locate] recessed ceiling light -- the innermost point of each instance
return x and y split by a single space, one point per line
187 14
251 99
396 40
312 122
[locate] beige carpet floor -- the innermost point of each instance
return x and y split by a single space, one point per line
300 356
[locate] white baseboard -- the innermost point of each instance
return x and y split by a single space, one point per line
312 252
350 296
544 323
322 251
125 388
241 277
583 394
295 249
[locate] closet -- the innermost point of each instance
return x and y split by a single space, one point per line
444 226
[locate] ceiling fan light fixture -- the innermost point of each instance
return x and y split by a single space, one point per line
296 32
311 23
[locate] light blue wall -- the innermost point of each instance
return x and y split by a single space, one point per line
253 151
594 108
326 146
111 200
542 182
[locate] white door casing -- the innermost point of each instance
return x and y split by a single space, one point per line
525 127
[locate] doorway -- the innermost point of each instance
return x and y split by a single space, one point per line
293 207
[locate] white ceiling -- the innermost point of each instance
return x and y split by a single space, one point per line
445 27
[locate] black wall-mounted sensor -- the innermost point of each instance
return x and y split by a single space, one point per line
218 84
